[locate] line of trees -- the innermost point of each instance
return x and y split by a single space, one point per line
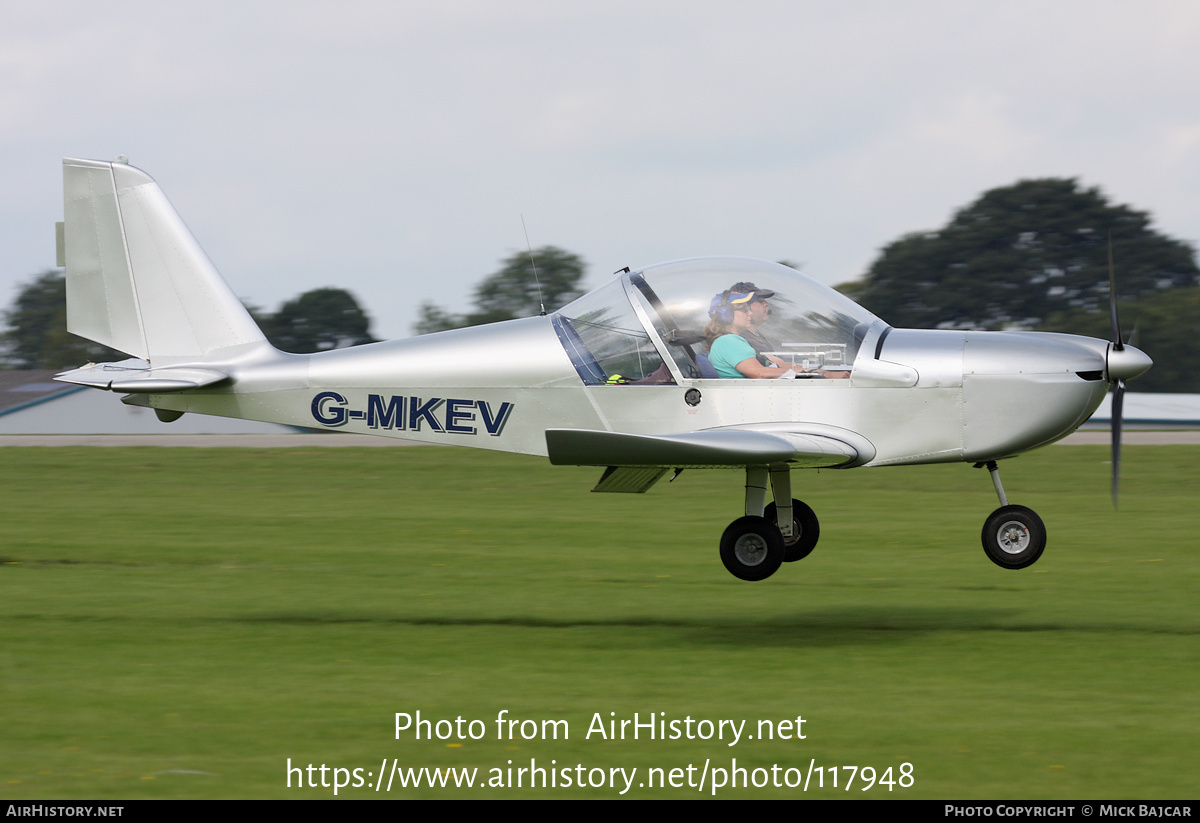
36 336
1030 256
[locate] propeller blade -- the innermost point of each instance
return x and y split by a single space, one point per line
1118 401
1112 299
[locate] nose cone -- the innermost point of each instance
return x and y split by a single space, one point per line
1127 363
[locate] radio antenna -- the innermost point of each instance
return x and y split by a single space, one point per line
532 262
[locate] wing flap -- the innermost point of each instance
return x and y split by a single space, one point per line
628 479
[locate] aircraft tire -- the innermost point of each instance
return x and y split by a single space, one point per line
752 548
806 530
1014 537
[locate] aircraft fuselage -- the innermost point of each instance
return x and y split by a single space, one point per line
917 396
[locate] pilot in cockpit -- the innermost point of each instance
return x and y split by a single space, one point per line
736 346
760 312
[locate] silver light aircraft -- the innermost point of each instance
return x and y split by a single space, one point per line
618 379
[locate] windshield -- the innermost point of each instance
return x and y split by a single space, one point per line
808 323
607 341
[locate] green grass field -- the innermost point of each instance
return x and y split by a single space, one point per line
180 622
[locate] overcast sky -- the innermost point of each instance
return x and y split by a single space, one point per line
391 148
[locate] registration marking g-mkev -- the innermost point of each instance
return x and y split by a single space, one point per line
412 413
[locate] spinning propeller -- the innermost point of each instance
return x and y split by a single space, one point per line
1124 363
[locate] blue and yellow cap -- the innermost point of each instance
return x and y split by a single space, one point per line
733 299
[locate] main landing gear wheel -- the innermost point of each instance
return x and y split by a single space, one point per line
1014 537
752 548
805 531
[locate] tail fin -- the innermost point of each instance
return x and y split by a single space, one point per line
137 281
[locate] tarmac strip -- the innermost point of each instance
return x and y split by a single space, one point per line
1177 437
293 441
209 441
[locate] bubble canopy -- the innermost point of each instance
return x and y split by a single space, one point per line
647 326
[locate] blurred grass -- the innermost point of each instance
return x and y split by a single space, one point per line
180 622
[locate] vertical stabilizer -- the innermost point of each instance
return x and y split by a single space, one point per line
137 281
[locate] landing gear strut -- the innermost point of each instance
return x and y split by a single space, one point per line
1013 536
754 546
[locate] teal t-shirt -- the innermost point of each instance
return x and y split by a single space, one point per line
727 351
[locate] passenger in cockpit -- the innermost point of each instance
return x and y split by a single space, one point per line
730 320
736 347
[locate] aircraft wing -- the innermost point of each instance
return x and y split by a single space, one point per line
636 461
136 376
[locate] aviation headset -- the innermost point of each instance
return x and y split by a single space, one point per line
722 306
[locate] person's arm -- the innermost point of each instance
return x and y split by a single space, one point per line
750 367
783 364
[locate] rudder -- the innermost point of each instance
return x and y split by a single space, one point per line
137 281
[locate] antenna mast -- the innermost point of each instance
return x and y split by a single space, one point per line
541 300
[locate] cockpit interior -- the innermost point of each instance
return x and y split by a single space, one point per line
646 327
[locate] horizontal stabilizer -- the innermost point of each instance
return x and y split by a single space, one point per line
136 376
710 448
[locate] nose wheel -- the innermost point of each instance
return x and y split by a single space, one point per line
1014 537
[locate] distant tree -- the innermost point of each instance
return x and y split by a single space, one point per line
513 291
317 320
258 315
431 318
1165 327
37 336
853 289
1020 254
1162 325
